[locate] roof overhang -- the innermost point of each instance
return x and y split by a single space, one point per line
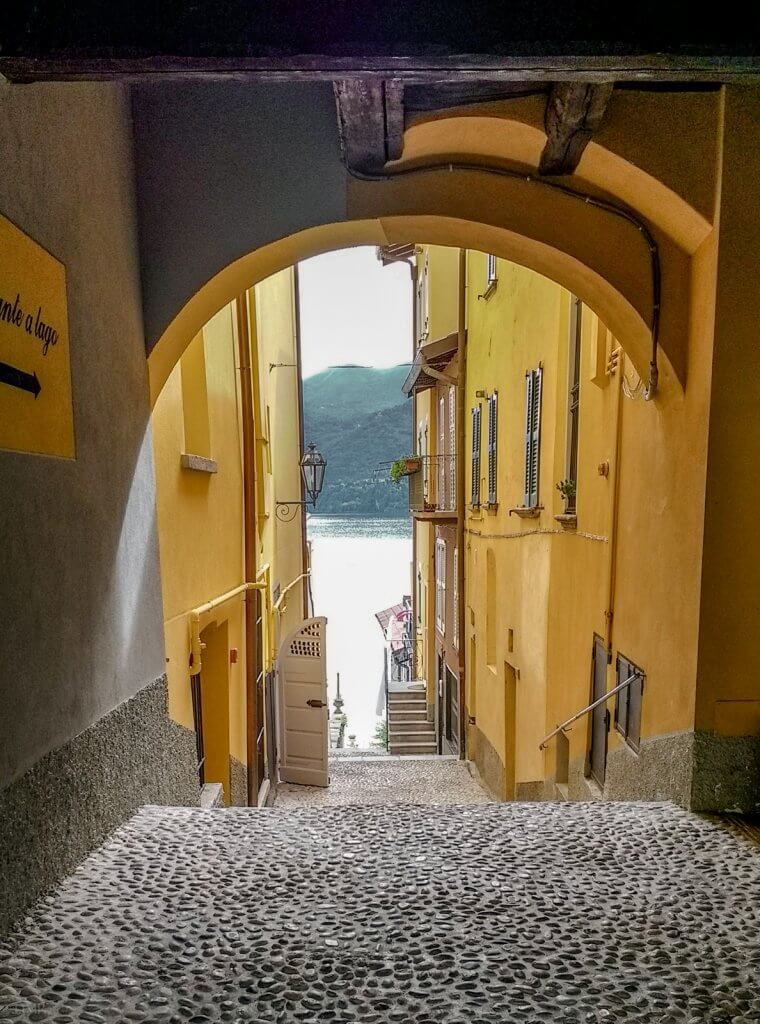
436 355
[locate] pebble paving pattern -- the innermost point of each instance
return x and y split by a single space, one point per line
386 780
385 915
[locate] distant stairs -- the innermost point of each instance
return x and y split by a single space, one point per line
409 731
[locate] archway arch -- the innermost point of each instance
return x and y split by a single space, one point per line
600 294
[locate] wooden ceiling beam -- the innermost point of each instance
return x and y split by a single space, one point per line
574 111
370 122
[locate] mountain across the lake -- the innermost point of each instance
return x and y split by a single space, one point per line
361 421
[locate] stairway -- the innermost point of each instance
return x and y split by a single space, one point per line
409 731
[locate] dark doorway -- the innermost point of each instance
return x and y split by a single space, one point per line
600 716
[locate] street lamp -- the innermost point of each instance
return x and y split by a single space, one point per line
313 467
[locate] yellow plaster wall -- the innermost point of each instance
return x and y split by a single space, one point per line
200 520
553 585
200 515
280 542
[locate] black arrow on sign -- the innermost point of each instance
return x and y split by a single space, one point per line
16 378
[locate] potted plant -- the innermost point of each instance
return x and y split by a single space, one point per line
567 489
404 467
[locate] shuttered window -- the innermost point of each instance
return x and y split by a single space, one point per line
490 270
532 435
440 585
493 438
628 701
455 571
475 488
573 404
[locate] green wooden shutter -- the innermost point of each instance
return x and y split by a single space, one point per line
492 447
532 435
475 486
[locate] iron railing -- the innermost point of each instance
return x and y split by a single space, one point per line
590 707
433 487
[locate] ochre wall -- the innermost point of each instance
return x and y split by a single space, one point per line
200 515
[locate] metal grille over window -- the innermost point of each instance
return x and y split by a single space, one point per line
628 701
532 435
475 488
492 446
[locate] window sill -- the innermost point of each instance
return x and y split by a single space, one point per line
198 463
492 508
525 512
568 520
476 512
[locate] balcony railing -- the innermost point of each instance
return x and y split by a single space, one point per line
433 487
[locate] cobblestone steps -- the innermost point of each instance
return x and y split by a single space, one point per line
478 914
409 729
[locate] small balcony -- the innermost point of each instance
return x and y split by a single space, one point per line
433 488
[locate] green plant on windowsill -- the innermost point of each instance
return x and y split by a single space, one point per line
568 490
404 467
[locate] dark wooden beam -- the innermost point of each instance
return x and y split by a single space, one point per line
370 122
574 111
83 65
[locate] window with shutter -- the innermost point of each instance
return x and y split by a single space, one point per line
451 454
490 270
440 584
475 486
628 701
574 389
493 438
532 435
455 570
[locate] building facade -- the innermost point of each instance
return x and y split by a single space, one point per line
582 532
226 425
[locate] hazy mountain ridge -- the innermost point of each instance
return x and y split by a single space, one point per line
359 419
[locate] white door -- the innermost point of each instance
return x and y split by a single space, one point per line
303 705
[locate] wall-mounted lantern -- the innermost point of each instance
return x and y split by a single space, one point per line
313 467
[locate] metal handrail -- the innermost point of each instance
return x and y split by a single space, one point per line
586 710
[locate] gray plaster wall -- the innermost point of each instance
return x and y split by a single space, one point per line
222 169
57 813
81 628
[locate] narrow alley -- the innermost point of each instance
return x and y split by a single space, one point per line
469 914
379 549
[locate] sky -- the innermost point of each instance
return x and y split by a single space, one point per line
354 310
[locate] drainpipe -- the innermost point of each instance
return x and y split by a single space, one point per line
461 381
615 365
305 560
252 599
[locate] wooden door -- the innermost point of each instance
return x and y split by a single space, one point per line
599 716
302 690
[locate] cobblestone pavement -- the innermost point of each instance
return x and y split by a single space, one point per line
388 780
472 914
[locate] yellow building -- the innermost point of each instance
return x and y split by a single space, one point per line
566 596
226 425
435 501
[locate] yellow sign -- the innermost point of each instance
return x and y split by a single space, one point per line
35 378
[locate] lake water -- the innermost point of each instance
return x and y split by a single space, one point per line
359 566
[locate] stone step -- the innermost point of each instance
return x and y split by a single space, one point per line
413 736
407 702
411 725
413 748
